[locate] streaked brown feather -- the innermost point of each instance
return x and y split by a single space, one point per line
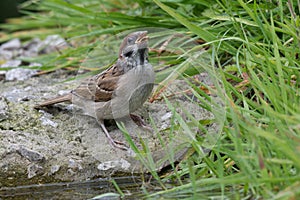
99 88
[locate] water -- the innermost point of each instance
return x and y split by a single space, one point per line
130 186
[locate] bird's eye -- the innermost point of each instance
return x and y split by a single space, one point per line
130 40
128 54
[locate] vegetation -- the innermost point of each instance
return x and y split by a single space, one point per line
252 52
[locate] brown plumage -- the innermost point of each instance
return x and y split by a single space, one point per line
119 90
98 88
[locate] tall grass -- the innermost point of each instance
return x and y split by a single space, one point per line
254 49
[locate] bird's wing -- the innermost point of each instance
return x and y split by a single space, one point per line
100 88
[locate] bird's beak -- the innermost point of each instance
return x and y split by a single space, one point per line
143 37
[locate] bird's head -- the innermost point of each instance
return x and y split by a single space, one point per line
134 47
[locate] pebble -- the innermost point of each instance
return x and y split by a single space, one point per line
31 48
54 169
31 155
52 43
11 45
46 121
19 74
12 63
74 165
115 164
33 170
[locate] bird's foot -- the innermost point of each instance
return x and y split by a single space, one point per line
117 144
140 122
112 142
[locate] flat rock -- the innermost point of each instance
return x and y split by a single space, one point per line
61 143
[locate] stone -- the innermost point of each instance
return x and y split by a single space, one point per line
34 170
52 43
54 169
114 164
12 63
11 45
31 155
19 74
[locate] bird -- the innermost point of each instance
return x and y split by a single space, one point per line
117 91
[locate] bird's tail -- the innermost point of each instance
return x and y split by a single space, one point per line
59 99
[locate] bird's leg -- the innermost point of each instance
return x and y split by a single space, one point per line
140 122
112 142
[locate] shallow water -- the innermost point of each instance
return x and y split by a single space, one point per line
130 186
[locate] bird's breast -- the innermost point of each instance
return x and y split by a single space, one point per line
134 87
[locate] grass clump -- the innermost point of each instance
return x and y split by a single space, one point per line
253 55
